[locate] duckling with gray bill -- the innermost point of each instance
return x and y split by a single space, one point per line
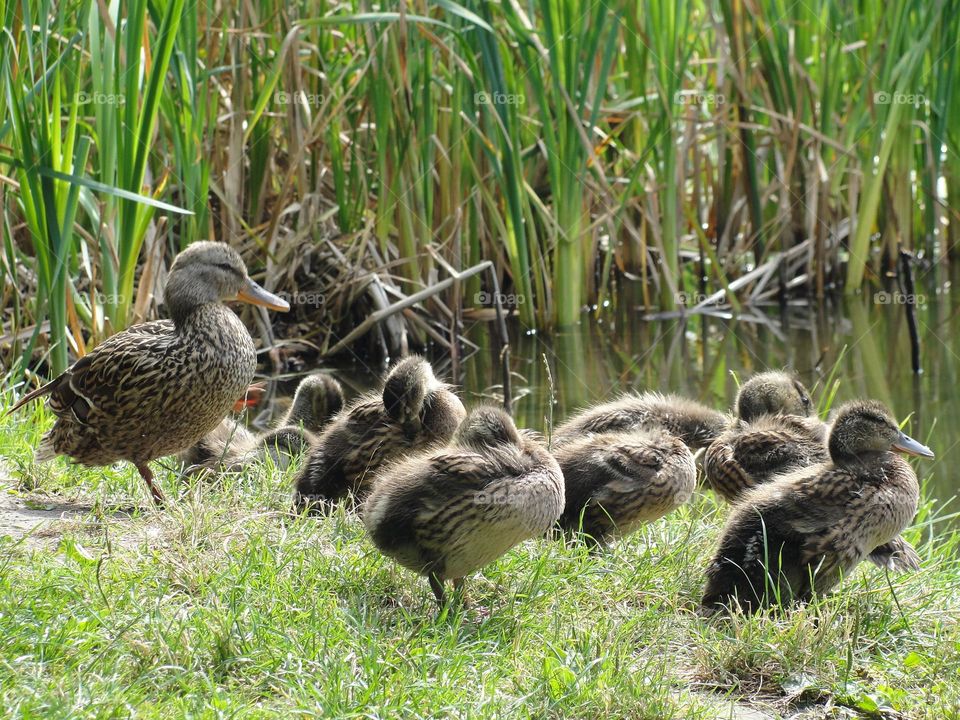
413 412
797 535
156 388
448 513
775 434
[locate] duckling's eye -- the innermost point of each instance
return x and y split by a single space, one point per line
228 268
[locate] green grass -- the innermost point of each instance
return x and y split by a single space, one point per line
225 606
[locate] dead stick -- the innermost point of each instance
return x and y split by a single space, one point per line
906 277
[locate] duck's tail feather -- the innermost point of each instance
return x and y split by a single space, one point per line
39 392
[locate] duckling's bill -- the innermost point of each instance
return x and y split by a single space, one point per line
908 445
256 295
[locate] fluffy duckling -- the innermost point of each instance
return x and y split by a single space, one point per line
771 436
231 446
156 388
694 423
414 411
616 481
774 434
772 393
800 533
451 512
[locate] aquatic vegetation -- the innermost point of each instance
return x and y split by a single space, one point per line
580 146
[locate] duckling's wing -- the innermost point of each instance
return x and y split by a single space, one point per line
766 453
227 442
641 473
416 505
816 517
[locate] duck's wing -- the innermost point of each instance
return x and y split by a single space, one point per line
91 383
100 381
897 554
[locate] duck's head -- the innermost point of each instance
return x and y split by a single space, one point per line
318 398
862 427
772 393
211 272
488 427
418 402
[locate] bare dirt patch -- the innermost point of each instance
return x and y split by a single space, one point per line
39 521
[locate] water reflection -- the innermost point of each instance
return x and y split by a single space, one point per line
858 347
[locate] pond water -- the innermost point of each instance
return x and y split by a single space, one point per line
858 346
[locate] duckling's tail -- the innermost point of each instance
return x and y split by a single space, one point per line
897 555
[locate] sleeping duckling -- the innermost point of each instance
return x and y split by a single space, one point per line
800 533
230 446
694 423
616 481
772 393
414 411
451 512
771 436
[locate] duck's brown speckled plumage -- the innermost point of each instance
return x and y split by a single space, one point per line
448 513
694 423
617 481
414 411
156 388
800 533
230 446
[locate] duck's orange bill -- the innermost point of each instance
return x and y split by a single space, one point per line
256 295
908 445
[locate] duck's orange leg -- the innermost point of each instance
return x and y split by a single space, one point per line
147 474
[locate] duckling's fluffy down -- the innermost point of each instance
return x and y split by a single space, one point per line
453 511
615 482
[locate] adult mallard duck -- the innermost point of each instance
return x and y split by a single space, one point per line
231 447
694 423
772 434
158 387
800 533
616 481
413 411
448 513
